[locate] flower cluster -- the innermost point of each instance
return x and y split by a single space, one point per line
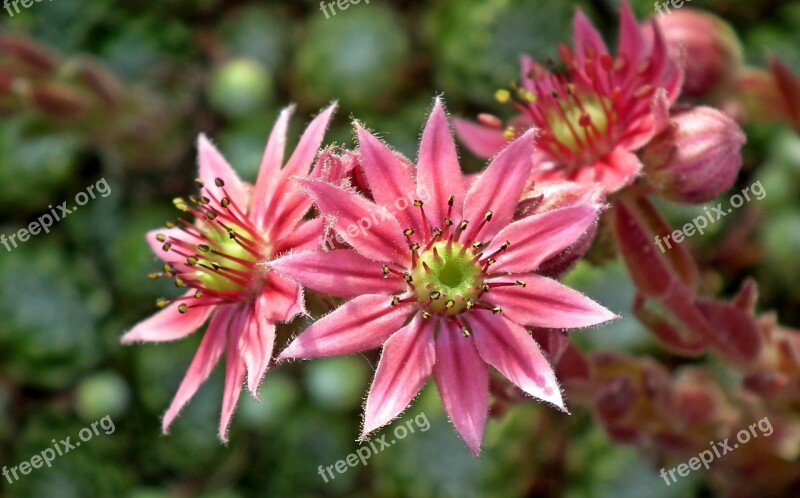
464 276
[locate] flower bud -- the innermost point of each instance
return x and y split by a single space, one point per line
696 158
707 46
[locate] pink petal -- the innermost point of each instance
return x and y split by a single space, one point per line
481 140
631 40
463 382
204 361
546 303
618 169
306 236
358 325
541 236
587 39
438 172
371 229
406 363
234 375
284 297
499 188
389 179
510 349
271 163
169 324
341 273
212 166
256 343
288 205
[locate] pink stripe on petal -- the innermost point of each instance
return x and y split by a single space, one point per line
234 375
546 303
212 165
168 324
481 140
271 163
541 236
368 227
256 343
341 273
389 178
499 188
510 349
360 324
205 359
438 172
463 382
405 365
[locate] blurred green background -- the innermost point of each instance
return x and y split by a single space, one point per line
225 69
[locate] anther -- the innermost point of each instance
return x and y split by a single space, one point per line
395 301
465 332
451 200
426 315
180 283
218 182
520 283
225 202
414 246
191 260
497 310
169 224
211 215
488 216
203 248
408 232
162 302
198 294
182 308
418 203
153 275
502 95
407 278
435 295
161 237
449 303
166 246
385 271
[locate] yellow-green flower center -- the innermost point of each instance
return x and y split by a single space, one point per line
447 277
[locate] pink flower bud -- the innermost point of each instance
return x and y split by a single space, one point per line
707 46
696 158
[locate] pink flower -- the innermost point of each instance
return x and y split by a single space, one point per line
219 258
446 286
591 120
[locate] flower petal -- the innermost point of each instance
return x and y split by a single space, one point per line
499 188
169 324
463 382
208 353
234 374
306 236
358 325
256 343
212 165
510 349
481 140
631 39
588 42
285 298
546 303
371 229
157 246
617 169
341 273
540 236
438 172
389 178
269 170
406 363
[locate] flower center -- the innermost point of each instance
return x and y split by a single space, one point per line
219 255
575 124
448 276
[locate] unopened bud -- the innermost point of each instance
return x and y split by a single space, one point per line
707 45
696 158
